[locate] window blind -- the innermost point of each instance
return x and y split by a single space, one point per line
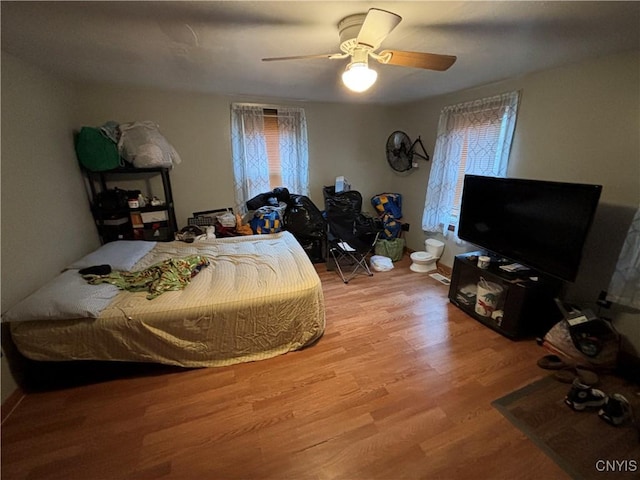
272 139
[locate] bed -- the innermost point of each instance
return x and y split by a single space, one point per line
259 297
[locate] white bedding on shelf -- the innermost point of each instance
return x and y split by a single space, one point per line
259 297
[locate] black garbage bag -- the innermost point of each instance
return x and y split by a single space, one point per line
347 221
303 219
282 194
269 199
350 201
366 225
262 200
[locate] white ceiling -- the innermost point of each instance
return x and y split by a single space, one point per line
218 46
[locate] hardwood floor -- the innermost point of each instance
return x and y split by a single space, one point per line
399 386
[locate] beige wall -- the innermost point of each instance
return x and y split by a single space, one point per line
577 123
45 222
343 140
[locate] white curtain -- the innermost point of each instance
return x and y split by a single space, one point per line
624 287
294 149
473 137
249 151
250 157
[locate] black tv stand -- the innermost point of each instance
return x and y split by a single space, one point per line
526 305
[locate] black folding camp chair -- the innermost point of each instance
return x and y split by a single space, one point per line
351 235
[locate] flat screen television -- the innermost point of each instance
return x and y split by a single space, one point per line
540 224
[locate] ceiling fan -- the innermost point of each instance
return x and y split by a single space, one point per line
360 36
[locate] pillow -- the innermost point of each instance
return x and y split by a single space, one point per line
121 255
67 296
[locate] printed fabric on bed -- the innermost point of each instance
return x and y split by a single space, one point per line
171 274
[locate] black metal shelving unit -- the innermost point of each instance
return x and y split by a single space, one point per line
126 223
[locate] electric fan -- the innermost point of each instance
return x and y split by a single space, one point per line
400 151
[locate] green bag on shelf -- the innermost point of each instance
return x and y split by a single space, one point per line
95 151
392 248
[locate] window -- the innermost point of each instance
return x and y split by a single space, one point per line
269 149
272 138
475 138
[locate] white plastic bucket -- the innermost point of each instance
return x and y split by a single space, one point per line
487 297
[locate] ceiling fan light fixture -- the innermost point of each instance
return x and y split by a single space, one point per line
358 77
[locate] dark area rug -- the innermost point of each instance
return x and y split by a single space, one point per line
581 443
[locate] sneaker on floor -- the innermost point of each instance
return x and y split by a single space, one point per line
582 396
616 410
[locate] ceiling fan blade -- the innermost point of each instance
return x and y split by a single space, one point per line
332 56
429 61
376 26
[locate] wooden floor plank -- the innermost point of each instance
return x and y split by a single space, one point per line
399 386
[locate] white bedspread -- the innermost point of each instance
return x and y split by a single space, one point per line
259 297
